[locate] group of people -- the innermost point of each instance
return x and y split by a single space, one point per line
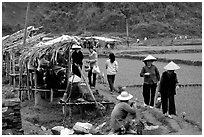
166 87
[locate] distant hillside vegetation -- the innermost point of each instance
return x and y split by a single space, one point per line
145 19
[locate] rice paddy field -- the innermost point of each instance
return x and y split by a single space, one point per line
183 56
188 99
129 70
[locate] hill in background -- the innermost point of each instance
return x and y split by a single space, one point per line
145 19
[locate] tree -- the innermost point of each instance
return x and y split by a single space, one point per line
126 9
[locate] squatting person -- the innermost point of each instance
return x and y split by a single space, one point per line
119 121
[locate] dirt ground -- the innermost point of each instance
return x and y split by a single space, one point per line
39 120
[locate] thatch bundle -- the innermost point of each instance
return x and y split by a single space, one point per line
16 38
49 48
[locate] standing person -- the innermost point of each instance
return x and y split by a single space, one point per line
77 58
112 69
167 89
61 61
119 120
93 58
151 77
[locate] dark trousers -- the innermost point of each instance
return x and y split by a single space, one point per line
111 79
168 104
147 89
90 77
76 71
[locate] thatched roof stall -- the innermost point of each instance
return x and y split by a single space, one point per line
12 47
104 42
51 48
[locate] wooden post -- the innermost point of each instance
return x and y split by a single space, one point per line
27 81
7 64
64 107
20 78
51 95
37 93
13 69
10 68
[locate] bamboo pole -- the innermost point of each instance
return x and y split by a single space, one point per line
65 94
13 69
98 104
51 95
27 80
26 19
10 68
7 64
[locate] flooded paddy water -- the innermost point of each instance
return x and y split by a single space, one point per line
129 69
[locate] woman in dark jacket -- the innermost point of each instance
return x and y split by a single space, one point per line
167 89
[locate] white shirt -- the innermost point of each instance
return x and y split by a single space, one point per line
111 68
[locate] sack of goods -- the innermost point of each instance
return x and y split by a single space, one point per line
82 128
96 69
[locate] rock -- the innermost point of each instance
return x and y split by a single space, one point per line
67 131
82 128
43 128
57 129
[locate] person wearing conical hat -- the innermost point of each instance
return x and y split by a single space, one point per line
119 121
74 90
151 76
167 89
77 59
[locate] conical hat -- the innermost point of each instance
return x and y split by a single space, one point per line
74 79
124 96
171 66
150 57
75 46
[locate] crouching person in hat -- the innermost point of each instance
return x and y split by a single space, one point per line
120 124
74 90
167 89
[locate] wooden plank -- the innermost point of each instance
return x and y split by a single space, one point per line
48 90
86 103
18 74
